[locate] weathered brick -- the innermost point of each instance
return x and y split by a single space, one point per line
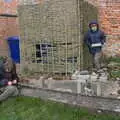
8 26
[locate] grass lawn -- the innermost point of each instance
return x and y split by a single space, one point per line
25 108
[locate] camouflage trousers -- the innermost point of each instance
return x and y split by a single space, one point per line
8 91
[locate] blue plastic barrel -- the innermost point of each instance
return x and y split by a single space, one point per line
13 43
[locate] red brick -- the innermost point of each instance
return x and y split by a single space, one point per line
8 26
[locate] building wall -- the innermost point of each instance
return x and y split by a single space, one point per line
8 25
109 19
8 6
3 45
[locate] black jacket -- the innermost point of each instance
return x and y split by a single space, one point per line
93 38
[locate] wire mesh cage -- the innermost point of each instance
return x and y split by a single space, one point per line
52 36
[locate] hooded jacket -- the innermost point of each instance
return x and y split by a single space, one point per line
94 38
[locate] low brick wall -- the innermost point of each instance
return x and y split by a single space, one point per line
72 99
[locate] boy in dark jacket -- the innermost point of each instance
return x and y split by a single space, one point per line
8 79
95 39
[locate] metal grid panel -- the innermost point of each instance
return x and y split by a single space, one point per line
28 2
51 36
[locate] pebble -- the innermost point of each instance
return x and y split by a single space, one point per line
94 74
118 79
99 111
50 78
118 97
105 69
113 93
84 72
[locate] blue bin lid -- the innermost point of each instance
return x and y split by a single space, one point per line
13 38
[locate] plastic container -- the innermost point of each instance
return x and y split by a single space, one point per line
13 43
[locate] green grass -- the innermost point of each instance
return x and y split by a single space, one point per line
115 73
25 108
114 59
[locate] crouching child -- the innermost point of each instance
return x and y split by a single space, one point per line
8 79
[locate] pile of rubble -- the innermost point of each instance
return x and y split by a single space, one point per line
98 83
101 75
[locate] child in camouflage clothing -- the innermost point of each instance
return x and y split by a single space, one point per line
8 78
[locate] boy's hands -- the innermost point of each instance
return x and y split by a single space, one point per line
9 83
12 82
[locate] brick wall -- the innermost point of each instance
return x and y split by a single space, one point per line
109 17
109 20
8 6
8 25
3 45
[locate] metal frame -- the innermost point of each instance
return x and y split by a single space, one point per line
63 30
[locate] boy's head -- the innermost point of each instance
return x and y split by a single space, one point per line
93 26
